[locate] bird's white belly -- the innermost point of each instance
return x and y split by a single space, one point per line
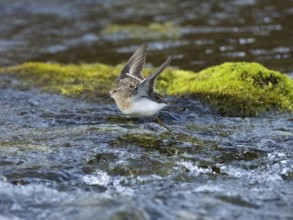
143 107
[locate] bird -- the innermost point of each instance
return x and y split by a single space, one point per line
134 95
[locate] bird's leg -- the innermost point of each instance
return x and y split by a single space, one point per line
160 122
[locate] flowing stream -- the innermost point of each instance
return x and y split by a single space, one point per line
63 158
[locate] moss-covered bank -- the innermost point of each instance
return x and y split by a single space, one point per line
234 89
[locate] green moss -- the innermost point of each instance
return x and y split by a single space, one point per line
166 143
167 30
23 145
148 141
234 89
73 80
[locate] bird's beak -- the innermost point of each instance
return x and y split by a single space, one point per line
103 99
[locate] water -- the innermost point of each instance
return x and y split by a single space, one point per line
62 158
202 33
65 159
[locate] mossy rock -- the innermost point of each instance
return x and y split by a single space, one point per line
73 80
166 30
232 89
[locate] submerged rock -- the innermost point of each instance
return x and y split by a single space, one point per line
167 30
232 89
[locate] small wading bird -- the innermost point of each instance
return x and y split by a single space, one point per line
134 95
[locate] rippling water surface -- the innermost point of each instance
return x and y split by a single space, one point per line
203 33
62 158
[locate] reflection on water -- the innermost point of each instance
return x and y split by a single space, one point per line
203 33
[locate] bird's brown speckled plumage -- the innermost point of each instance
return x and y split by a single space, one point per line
133 94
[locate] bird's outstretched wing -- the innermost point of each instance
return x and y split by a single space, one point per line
146 86
135 64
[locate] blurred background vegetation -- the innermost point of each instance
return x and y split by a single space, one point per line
203 33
